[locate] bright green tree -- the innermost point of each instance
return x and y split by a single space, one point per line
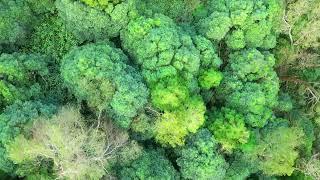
228 127
172 127
244 23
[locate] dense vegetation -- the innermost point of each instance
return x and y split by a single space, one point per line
160 89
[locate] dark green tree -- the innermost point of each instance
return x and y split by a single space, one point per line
99 74
251 86
152 164
199 159
22 77
92 21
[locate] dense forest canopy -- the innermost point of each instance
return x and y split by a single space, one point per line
160 89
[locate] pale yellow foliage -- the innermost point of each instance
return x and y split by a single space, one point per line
302 22
78 152
311 167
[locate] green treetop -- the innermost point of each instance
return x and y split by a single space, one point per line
98 74
251 86
199 159
94 20
21 75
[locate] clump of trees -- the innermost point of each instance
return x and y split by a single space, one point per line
69 148
159 89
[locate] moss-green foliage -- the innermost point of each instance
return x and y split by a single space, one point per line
164 50
143 126
305 122
21 75
251 86
216 26
75 150
90 23
273 152
245 23
173 64
98 74
52 39
199 159
12 123
200 89
209 58
41 7
228 127
169 94
161 48
276 150
178 10
152 164
240 168
16 18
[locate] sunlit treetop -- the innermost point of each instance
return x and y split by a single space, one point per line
244 23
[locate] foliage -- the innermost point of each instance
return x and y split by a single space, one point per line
20 74
13 121
102 4
89 23
41 7
275 153
228 127
164 51
164 89
199 159
16 18
170 60
311 167
75 150
302 23
51 38
143 126
172 127
245 23
251 86
210 78
98 74
179 10
170 51
240 167
152 164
